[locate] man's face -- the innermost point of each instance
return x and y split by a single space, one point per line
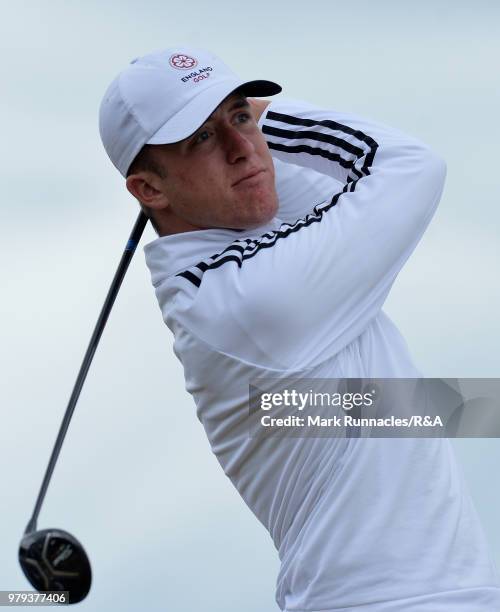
222 175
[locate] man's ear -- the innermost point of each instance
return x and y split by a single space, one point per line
147 188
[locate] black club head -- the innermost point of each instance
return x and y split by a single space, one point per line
54 560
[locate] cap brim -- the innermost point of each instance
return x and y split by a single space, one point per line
193 115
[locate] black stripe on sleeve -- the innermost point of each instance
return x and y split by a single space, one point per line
371 145
190 277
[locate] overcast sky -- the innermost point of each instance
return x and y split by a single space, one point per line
136 481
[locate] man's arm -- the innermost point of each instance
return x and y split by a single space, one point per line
298 188
307 289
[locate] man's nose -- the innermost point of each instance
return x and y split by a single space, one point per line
237 145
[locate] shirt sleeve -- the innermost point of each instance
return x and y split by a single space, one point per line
293 297
299 189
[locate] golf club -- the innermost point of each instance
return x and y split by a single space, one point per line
53 559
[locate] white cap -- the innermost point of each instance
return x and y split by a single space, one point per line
164 97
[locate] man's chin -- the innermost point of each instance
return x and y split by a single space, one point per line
249 215
262 217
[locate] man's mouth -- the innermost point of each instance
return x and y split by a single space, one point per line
248 177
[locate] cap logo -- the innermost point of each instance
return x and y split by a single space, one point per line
182 62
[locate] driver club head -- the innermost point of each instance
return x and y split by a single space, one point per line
54 560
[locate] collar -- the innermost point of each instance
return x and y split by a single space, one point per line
169 255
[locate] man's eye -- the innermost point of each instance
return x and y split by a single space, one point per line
201 137
243 117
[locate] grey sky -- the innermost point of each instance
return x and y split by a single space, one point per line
136 481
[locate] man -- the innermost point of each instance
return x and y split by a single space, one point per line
253 285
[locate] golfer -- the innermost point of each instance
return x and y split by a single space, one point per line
263 269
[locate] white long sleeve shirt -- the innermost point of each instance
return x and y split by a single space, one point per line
375 525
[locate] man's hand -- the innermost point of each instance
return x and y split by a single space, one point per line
258 106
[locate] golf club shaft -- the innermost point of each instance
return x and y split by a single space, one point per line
128 253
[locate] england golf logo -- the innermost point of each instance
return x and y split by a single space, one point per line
182 62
